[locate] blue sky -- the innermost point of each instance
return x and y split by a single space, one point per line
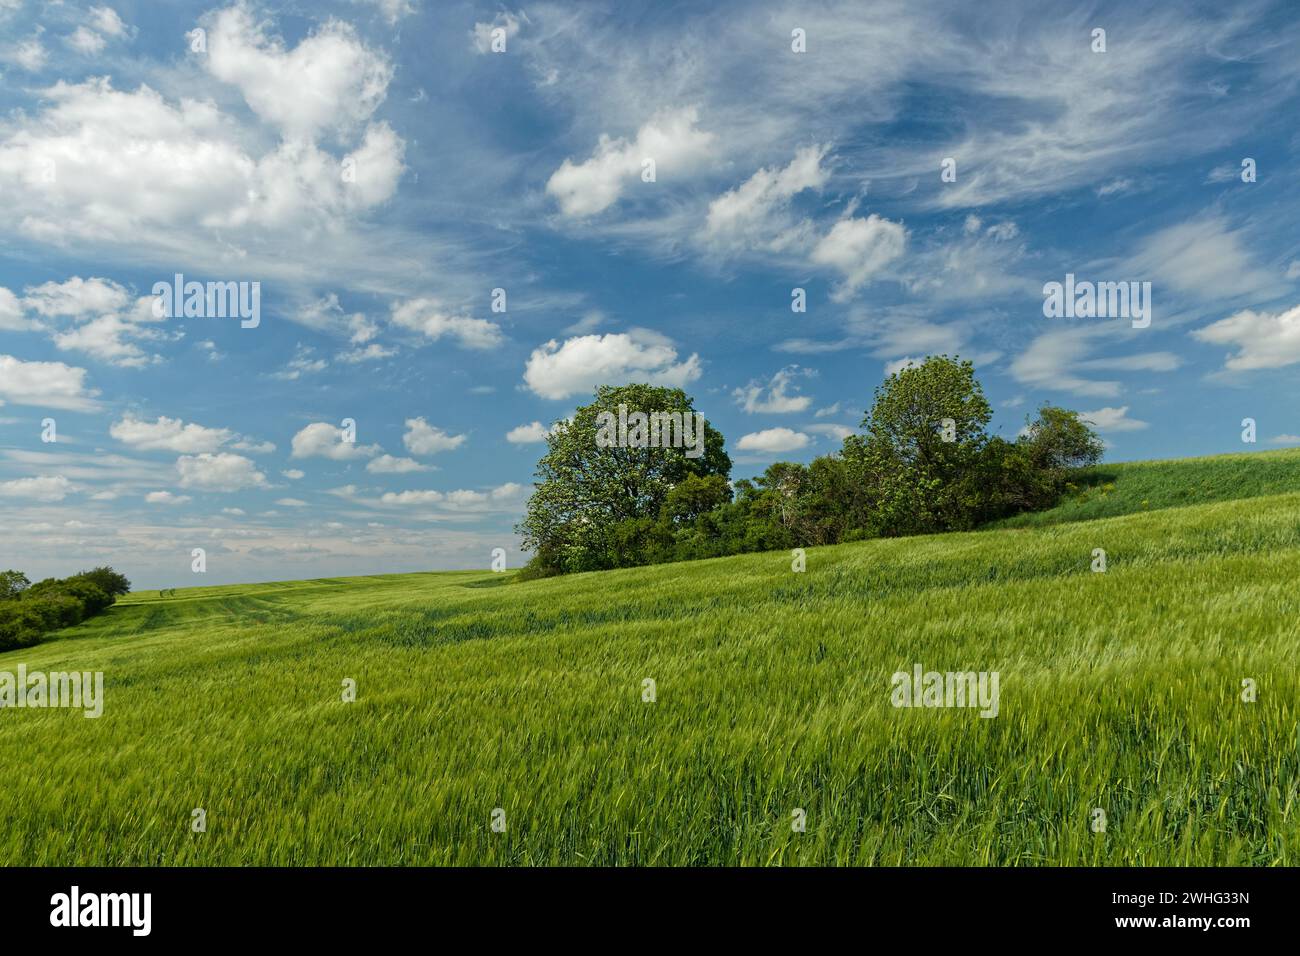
379 169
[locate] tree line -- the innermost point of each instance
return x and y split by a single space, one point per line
923 462
30 611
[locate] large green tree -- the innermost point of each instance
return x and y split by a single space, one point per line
601 505
915 465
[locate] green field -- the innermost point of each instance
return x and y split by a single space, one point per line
1119 690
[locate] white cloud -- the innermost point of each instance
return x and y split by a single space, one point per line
1059 360
166 498
1203 258
1114 187
421 438
527 434
304 362
773 440
107 22
47 488
777 398
892 368
51 384
506 497
580 364
1262 339
670 138
393 10
323 440
860 249
291 502
389 465
107 339
330 80
431 320
169 434
85 40
77 298
753 214
224 471
371 353
838 432
11 314
1113 420
29 54
1293 270
188 181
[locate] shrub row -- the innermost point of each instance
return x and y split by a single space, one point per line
30 611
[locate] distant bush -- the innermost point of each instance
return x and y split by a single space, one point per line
30 611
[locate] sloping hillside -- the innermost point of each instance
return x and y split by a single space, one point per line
1119 691
1110 490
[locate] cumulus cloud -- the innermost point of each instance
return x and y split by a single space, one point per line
29 54
76 298
578 365
421 438
167 498
330 80
224 471
50 384
323 440
527 434
11 314
44 488
390 465
773 440
752 214
169 434
184 165
1261 339
504 497
1113 420
897 365
860 249
428 317
670 138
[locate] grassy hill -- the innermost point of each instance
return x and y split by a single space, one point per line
1119 690
1109 490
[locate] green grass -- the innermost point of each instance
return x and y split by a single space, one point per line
1118 690
1107 491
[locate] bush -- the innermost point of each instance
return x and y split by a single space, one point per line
28 613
